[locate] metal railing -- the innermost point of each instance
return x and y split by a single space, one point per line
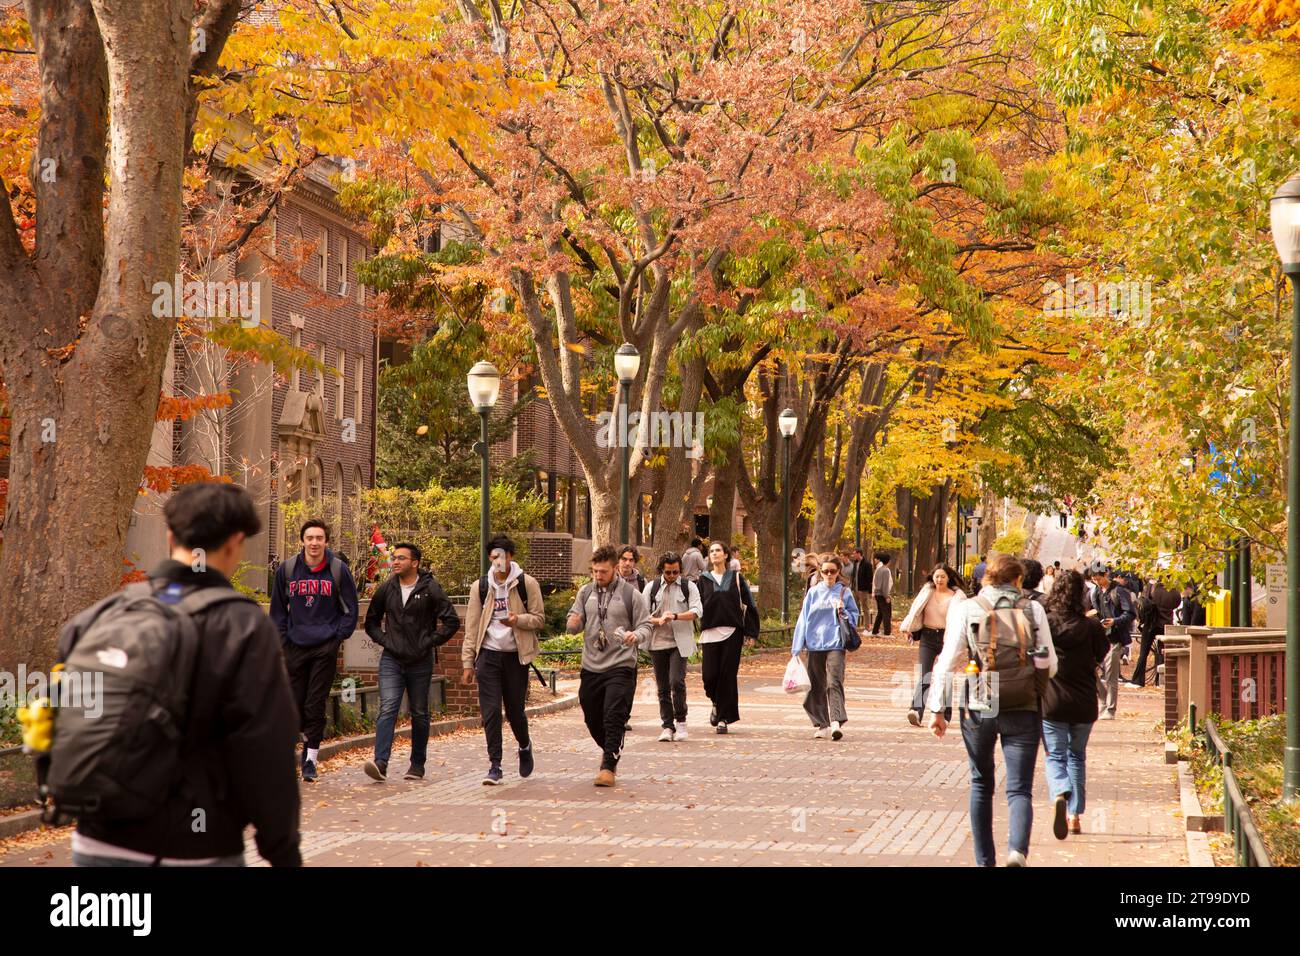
1247 846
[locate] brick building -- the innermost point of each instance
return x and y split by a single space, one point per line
309 435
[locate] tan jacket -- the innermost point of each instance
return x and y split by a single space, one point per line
531 619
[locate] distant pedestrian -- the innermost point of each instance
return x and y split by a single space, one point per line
1007 634
314 606
926 623
977 574
1114 609
882 589
628 556
506 614
818 632
409 616
730 615
674 604
1034 576
1191 612
859 579
693 563
1049 579
613 619
1070 700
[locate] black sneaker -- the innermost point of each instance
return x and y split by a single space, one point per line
309 771
1060 826
526 761
713 717
416 772
377 769
493 777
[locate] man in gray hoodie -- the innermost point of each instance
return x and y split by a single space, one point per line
614 620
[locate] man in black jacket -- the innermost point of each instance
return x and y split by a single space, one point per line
1114 607
409 616
1160 605
241 724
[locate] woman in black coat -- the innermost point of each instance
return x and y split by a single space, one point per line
1070 701
730 616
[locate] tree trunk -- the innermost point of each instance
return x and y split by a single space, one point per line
673 526
723 509
82 400
767 524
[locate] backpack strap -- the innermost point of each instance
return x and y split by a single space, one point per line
204 598
654 591
990 627
629 602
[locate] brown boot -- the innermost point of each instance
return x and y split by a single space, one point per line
605 778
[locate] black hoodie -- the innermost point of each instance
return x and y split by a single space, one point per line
239 740
412 630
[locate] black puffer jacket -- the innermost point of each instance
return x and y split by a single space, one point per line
239 741
412 630
1081 644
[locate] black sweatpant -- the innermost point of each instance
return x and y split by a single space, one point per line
606 699
501 680
311 674
719 671
929 646
883 609
670 681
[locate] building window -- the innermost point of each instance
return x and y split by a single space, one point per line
323 258
340 489
343 266
339 373
315 481
295 377
361 288
320 375
358 409
563 505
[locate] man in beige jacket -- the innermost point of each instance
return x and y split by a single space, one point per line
505 614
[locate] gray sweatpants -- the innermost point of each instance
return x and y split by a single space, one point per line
825 699
1108 683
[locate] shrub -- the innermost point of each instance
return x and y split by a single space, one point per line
1012 541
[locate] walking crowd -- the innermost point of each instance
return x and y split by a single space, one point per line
1043 651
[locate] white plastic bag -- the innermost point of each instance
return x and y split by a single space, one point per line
796 677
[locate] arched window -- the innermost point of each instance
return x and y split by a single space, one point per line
340 490
315 481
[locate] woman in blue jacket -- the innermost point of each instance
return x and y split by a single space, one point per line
818 632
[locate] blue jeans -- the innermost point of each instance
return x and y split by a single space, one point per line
1020 732
394 679
1066 761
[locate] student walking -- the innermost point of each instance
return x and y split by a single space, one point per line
314 606
926 623
1114 607
613 619
730 615
818 631
882 589
674 604
1070 700
217 694
628 556
409 616
693 563
506 612
1007 635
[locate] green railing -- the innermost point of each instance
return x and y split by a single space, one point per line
1247 846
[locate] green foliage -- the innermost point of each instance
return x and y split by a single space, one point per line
245 572
444 523
557 609
1011 541
11 732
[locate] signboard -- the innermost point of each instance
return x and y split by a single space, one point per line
1275 582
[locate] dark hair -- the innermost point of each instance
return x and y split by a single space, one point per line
667 558
696 542
1065 600
1004 569
416 553
857 551
502 542
1056 564
205 514
833 559
606 554
1033 573
625 549
883 557
314 523
726 548
954 579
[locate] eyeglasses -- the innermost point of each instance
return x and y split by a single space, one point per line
673 573
830 570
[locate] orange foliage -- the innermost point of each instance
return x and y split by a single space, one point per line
180 407
165 478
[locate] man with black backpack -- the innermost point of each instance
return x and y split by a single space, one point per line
1114 605
314 605
409 616
505 614
195 740
675 606
1010 646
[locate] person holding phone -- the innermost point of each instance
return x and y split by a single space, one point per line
1114 607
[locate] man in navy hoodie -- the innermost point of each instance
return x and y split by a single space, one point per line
314 605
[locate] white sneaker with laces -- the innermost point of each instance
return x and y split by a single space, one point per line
665 736
681 731
819 733
1016 858
836 733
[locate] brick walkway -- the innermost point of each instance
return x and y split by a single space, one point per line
888 794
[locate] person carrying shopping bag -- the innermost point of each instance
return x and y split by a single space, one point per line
827 608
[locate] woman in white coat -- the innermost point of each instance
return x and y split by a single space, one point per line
925 624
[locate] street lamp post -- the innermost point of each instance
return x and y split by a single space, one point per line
627 361
787 422
484 386
1285 216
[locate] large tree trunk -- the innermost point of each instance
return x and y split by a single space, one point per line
673 527
83 397
723 509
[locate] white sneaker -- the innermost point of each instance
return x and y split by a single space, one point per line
819 733
1016 858
665 736
836 733
681 731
